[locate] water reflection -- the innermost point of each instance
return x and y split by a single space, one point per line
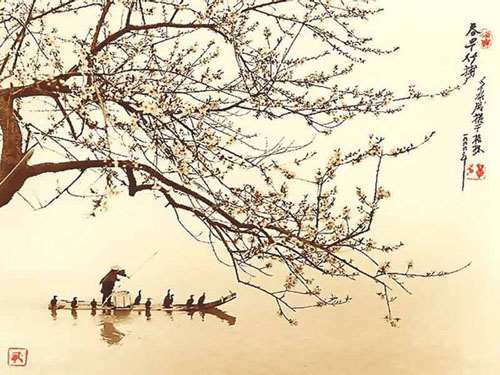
108 320
110 334
231 320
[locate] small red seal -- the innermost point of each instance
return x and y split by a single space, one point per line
485 38
475 171
17 357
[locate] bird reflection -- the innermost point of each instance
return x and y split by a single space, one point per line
222 315
108 320
170 315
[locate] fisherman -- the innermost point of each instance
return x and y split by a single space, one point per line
201 300
148 304
93 304
108 283
53 303
166 300
137 300
74 303
190 301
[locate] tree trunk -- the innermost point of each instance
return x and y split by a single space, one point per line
12 175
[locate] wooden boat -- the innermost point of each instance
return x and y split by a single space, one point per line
85 305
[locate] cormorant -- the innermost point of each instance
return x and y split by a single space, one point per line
201 300
74 303
93 304
190 301
148 304
137 300
53 303
166 300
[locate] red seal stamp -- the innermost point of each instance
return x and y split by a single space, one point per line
17 357
485 38
475 171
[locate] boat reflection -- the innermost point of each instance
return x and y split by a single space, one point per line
122 315
109 320
231 320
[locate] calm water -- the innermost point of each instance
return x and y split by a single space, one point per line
246 337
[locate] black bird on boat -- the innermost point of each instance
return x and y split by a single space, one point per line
166 300
53 303
202 304
137 300
201 300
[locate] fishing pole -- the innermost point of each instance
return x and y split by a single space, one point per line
144 263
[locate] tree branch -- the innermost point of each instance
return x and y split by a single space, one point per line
129 28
